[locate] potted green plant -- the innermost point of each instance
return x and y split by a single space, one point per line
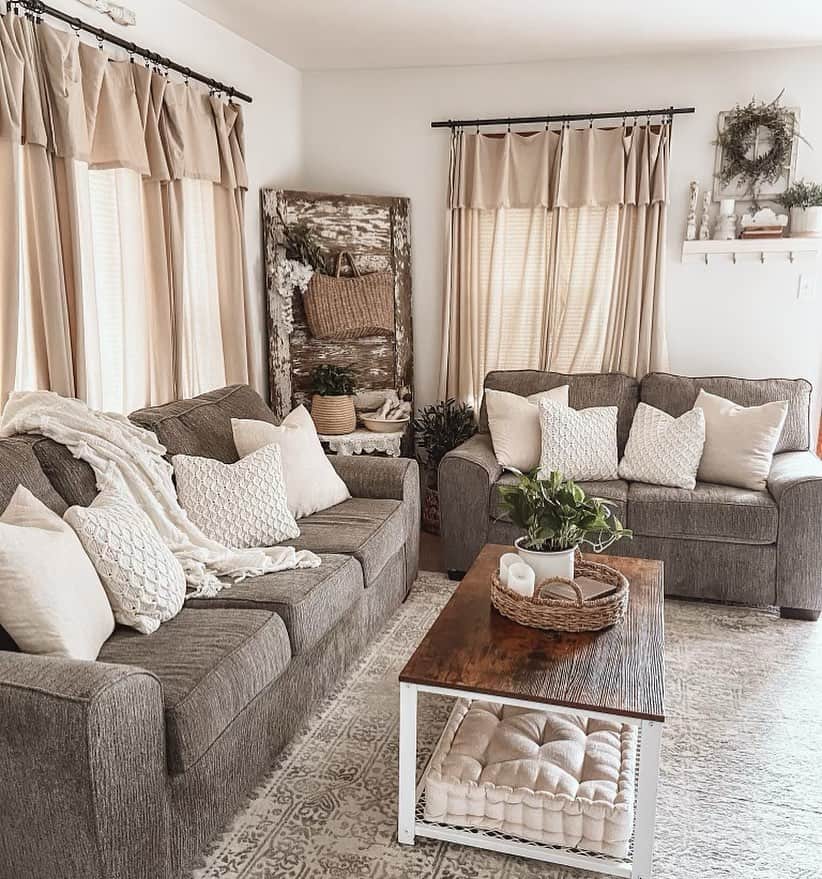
332 406
557 516
438 429
804 201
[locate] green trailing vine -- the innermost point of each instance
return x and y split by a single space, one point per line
738 140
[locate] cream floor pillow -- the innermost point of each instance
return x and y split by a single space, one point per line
51 599
513 422
739 441
663 450
580 444
311 482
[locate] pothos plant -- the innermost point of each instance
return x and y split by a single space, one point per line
333 381
555 514
440 428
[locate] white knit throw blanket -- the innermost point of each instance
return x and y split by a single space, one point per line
108 440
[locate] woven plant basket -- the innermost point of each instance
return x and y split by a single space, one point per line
566 614
333 415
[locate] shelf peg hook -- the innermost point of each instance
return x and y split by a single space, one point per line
733 257
790 256
706 259
762 257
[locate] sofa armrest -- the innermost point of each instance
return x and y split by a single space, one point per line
465 478
82 758
795 483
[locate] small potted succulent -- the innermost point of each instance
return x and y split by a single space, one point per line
804 201
438 429
332 406
557 517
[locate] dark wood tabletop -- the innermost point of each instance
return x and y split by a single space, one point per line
620 670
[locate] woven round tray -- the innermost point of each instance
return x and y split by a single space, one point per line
566 614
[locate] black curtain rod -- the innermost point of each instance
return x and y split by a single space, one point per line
36 9
567 117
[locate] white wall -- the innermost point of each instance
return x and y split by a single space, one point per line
368 131
272 121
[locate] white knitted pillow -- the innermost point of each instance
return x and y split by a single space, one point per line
663 450
239 505
145 584
581 444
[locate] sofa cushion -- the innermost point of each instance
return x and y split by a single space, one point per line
676 394
709 512
370 529
311 601
73 479
211 664
201 426
584 391
19 465
614 491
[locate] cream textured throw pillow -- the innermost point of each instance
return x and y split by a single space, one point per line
51 599
311 482
514 425
146 585
663 450
581 444
739 441
240 505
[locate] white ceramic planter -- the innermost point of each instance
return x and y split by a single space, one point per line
547 565
806 222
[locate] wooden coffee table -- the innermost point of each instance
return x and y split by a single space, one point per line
472 651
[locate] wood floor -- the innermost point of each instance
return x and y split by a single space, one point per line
431 552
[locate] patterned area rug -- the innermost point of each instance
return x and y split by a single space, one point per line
740 792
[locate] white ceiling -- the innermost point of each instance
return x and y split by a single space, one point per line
336 34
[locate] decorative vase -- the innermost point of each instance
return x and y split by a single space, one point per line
547 565
431 510
333 415
806 222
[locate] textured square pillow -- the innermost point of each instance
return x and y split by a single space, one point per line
239 505
145 584
311 482
513 422
739 440
663 450
51 599
580 444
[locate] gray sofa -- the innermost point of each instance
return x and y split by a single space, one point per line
717 542
125 768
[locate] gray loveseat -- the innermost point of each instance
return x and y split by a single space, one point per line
717 542
125 768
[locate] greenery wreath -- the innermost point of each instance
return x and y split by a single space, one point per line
738 139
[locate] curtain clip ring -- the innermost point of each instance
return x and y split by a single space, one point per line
100 40
509 126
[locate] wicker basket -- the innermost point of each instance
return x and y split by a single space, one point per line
566 614
333 416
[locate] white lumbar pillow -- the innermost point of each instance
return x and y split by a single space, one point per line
739 440
145 583
239 505
513 422
311 482
51 599
663 450
580 444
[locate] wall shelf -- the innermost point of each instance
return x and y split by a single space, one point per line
763 248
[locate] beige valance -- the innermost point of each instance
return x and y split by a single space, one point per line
565 168
79 103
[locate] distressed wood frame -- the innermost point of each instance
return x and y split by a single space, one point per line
376 231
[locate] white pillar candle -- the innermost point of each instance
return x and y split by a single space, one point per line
521 578
505 562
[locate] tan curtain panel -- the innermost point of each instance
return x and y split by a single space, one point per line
68 110
556 253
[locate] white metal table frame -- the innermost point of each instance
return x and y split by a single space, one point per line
637 865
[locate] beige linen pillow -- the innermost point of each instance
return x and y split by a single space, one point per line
311 482
51 599
739 441
514 425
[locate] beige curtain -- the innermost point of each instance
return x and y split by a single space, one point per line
555 254
122 254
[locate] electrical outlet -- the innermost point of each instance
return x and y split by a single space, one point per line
806 291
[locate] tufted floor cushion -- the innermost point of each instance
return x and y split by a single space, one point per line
558 779
212 664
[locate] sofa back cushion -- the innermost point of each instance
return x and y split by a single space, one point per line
584 390
676 394
201 426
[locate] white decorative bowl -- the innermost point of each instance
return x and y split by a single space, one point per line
380 425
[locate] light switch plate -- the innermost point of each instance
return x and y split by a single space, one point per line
806 291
